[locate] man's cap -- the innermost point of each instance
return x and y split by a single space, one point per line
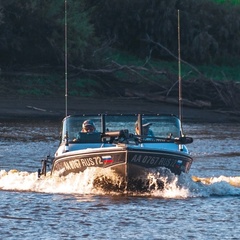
88 123
145 123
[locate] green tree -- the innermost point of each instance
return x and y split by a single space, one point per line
33 32
209 31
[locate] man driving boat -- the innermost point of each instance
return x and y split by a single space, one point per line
88 126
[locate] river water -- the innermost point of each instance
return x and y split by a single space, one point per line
203 204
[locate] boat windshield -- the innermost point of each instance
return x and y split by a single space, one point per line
162 126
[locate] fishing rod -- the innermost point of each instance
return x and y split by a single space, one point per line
66 62
179 71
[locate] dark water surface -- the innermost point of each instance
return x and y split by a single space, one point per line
70 208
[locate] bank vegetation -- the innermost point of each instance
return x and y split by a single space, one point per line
123 48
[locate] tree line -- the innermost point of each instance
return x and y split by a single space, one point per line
32 31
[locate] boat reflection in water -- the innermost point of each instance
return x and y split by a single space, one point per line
116 145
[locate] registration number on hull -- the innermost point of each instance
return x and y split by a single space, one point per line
153 160
80 163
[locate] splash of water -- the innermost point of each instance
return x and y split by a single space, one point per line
183 186
217 186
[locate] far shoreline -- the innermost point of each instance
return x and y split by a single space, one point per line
53 108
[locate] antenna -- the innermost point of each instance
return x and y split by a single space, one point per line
179 71
66 63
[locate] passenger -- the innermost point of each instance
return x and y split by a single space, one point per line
88 126
146 131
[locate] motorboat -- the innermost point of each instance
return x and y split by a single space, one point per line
121 143
114 144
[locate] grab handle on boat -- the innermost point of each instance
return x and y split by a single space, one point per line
178 140
183 140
